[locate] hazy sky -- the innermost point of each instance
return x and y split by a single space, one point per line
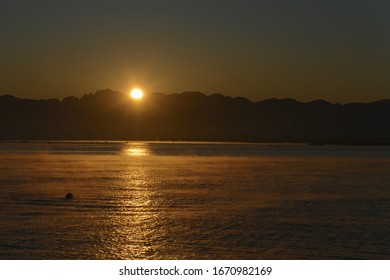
335 50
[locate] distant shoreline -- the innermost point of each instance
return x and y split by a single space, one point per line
97 141
193 116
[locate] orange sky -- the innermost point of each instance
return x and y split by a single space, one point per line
257 49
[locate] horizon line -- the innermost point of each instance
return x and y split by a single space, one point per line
201 94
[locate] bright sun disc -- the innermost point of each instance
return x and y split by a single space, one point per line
136 93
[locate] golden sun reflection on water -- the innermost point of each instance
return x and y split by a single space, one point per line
137 149
136 227
137 152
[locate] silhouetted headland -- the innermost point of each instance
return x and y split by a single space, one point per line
110 115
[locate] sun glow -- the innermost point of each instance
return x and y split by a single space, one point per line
136 93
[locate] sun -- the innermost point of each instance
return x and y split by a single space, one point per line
136 93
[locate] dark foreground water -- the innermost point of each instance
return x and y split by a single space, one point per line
193 201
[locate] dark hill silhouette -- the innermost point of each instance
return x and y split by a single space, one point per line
110 115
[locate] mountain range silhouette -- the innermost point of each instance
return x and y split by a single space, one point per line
193 116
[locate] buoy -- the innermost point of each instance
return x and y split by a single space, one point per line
69 196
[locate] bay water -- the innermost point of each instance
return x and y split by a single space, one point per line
189 200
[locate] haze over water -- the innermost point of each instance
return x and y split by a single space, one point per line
178 200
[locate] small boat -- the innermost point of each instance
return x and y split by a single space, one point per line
69 196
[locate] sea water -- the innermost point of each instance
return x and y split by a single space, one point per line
179 200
